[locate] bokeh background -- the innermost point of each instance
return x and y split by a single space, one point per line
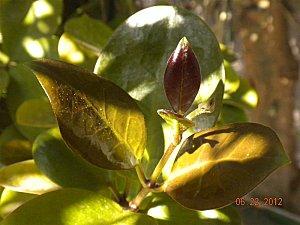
260 41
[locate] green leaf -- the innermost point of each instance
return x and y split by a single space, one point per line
245 96
24 34
220 164
206 114
62 166
24 86
25 177
232 81
166 212
97 119
136 55
88 32
10 200
13 146
232 114
73 206
35 113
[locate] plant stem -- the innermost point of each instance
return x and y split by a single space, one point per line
164 159
134 204
141 175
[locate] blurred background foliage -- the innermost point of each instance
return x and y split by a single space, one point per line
259 40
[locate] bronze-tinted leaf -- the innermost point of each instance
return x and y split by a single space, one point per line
97 119
221 164
182 77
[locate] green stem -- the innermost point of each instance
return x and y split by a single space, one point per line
141 175
134 204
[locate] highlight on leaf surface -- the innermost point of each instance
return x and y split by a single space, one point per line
97 119
216 166
182 77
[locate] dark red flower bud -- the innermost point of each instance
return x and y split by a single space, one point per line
182 77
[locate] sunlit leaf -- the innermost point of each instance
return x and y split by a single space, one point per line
25 177
35 113
245 95
73 206
166 212
97 119
232 80
22 33
136 55
220 164
182 77
88 32
10 200
62 166
13 146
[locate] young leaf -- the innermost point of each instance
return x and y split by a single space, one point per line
74 206
221 164
62 166
206 114
25 177
97 119
182 77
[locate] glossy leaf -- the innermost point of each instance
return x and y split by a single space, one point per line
11 200
73 206
62 166
136 55
220 164
166 212
25 177
24 86
13 146
22 33
97 119
90 33
182 77
35 113
206 114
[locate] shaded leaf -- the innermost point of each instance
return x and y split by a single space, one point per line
13 146
23 86
35 113
166 212
11 200
75 206
88 32
182 77
97 119
25 177
232 114
4 80
136 55
62 166
206 114
220 164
